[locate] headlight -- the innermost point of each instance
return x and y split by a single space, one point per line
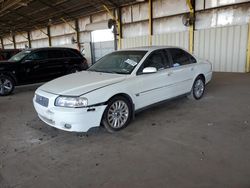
71 102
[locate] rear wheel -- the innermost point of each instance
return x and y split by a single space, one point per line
198 88
117 114
6 85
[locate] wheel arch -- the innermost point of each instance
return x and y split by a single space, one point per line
127 97
10 75
202 76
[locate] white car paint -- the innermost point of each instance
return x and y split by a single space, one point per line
98 88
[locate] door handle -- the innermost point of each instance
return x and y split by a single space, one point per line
192 68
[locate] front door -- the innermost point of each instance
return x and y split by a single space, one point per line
34 67
153 87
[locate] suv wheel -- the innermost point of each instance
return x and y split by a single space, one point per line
6 85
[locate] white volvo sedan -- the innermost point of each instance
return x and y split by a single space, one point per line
118 85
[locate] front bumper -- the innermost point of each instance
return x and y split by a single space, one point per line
69 119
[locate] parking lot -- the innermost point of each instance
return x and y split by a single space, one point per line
182 143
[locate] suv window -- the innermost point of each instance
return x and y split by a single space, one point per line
71 53
180 57
55 54
38 55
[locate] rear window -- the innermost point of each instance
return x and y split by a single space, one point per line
180 57
72 53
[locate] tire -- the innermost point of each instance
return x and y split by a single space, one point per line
117 114
198 89
7 85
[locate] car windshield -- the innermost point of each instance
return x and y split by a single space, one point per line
121 62
20 55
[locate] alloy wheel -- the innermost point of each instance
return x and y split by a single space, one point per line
118 114
6 86
199 88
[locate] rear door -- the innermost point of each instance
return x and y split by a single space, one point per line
57 61
182 71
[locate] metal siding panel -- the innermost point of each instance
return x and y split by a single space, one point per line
179 39
9 46
227 16
140 12
37 34
83 22
21 45
212 45
230 49
202 43
102 48
224 47
207 44
217 3
196 43
21 38
163 8
223 54
217 51
126 14
236 49
40 43
135 42
243 48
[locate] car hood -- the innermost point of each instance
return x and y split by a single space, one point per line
81 83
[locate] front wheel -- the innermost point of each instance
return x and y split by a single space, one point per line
198 89
6 85
117 114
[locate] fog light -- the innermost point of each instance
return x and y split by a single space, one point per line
67 126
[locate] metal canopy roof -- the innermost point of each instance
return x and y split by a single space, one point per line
24 15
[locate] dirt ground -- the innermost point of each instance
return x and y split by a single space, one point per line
182 143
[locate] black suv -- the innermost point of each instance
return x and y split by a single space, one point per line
39 65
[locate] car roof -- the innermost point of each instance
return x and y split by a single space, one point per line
50 48
149 48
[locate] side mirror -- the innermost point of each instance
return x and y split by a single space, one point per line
149 70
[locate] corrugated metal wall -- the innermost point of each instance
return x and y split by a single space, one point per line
225 47
39 38
7 42
133 42
102 48
180 39
22 40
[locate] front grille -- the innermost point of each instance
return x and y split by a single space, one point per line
42 100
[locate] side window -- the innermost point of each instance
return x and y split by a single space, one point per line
71 53
55 54
38 55
192 59
156 60
180 57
